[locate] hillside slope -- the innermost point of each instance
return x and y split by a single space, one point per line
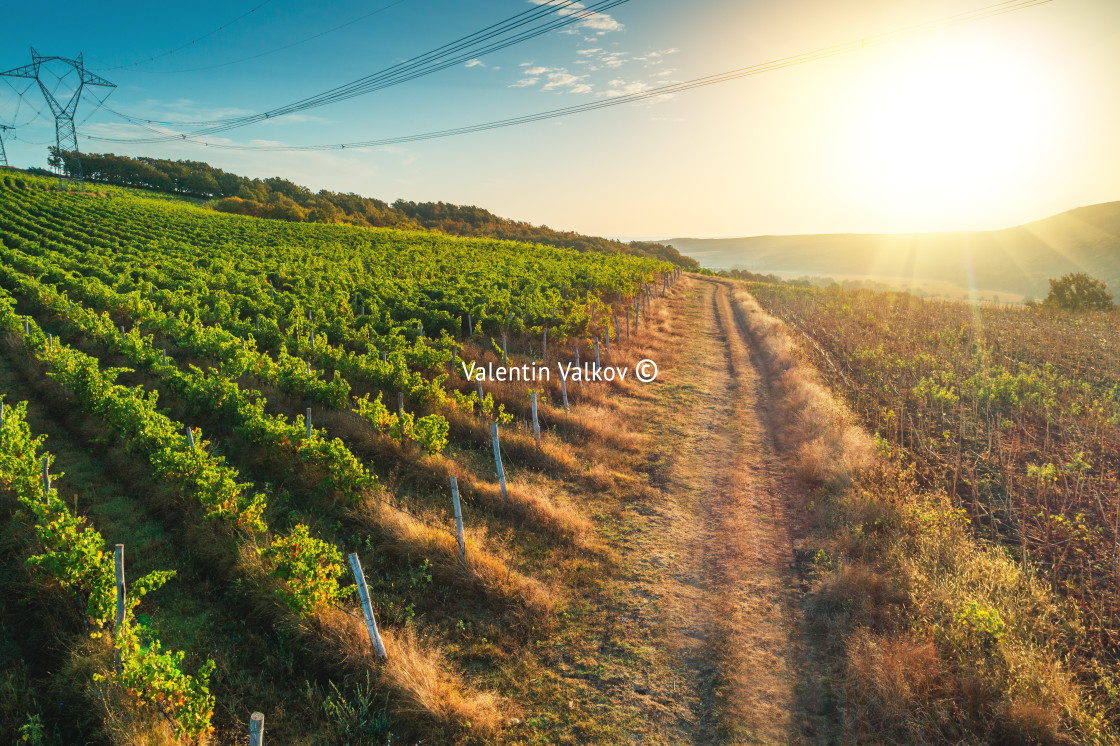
280 199
1014 260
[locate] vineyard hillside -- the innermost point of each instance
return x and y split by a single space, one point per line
256 409
247 474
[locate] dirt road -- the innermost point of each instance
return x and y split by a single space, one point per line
715 549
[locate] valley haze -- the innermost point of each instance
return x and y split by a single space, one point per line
1018 260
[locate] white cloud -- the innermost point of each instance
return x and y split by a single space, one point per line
600 23
656 57
474 63
557 79
593 50
561 79
619 87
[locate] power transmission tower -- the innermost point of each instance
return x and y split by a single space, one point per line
3 155
66 134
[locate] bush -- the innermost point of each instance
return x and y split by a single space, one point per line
1079 292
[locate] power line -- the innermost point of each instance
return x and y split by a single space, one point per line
499 27
191 43
991 11
490 39
274 50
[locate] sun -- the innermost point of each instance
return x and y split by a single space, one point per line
953 133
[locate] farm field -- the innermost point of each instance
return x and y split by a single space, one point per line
1011 417
129 320
726 554
1013 413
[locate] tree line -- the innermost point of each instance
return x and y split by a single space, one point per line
281 199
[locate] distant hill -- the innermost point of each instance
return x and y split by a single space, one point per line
1013 260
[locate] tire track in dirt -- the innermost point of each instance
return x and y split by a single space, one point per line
716 552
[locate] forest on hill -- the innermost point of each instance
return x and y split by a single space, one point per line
280 199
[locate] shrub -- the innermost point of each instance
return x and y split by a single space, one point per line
1079 292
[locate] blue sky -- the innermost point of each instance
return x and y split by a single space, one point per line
837 145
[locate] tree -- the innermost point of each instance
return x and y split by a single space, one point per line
1079 292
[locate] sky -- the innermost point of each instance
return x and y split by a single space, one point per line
982 125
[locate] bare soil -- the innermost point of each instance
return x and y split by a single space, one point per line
712 545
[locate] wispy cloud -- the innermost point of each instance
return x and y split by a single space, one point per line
558 79
619 87
474 63
297 119
648 71
188 110
599 23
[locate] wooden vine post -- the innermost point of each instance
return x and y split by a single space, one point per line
118 564
498 460
577 366
400 413
256 729
459 535
307 418
367 607
536 422
564 391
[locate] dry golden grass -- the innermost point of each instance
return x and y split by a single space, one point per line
424 690
480 570
828 444
426 694
419 673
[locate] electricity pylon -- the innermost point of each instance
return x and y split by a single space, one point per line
66 134
3 155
